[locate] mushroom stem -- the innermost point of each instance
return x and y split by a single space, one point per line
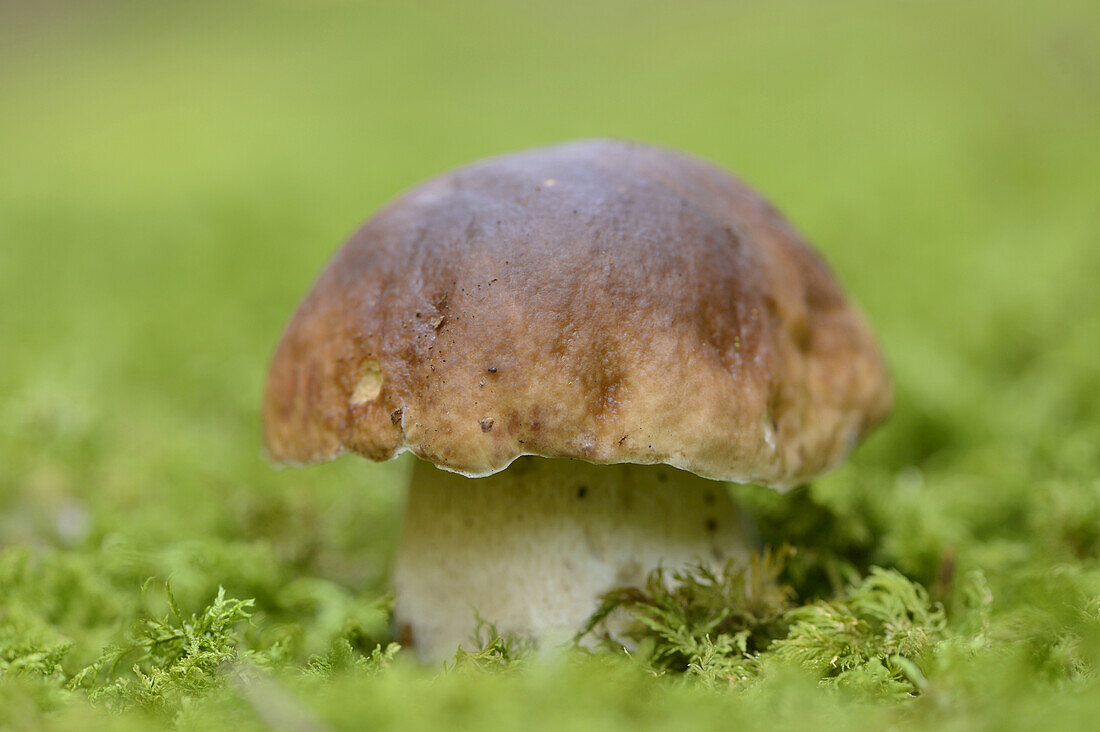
532 548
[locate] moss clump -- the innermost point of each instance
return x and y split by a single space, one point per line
170 659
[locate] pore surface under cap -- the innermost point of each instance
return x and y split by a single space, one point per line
602 300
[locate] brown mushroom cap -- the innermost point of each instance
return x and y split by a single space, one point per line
602 300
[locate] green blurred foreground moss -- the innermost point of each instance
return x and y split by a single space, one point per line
738 643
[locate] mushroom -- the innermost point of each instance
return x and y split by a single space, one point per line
578 343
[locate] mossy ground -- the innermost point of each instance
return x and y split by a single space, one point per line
174 176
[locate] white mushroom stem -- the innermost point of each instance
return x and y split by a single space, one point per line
532 549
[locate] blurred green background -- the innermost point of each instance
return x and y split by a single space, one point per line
174 175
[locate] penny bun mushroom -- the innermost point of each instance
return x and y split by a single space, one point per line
577 342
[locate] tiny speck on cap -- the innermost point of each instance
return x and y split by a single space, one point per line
369 385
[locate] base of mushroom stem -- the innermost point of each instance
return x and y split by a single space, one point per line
533 548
